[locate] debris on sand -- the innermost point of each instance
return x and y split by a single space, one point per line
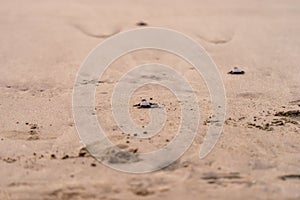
212 175
141 187
236 71
116 156
265 127
65 157
290 176
33 135
296 102
290 113
9 160
83 152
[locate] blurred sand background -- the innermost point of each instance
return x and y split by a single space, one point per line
43 44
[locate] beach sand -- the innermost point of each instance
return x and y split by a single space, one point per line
43 44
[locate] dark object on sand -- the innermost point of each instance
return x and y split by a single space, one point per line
146 104
236 71
141 23
290 113
290 176
215 176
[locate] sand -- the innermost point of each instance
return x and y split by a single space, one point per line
43 44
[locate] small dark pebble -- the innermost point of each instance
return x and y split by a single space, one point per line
65 157
167 140
185 164
211 182
145 132
33 132
53 156
83 152
141 23
26 123
127 141
33 126
135 150
93 165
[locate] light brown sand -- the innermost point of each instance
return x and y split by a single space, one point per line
42 46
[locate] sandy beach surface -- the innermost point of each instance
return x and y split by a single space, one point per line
43 44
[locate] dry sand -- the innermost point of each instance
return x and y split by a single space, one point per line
43 44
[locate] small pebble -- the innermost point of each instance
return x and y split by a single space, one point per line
141 23
93 165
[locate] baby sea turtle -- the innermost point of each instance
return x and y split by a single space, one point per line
145 104
236 71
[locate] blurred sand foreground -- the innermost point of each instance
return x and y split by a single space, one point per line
43 44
